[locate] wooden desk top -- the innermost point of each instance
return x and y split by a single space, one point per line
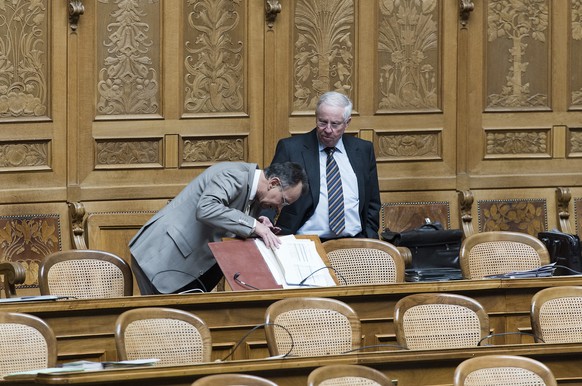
85 328
409 367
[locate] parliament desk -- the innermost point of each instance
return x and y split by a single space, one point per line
408 368
85 328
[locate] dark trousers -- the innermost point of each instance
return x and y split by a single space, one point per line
205 283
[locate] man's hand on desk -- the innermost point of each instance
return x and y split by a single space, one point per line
266 231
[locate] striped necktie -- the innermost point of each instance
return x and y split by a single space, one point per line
335 195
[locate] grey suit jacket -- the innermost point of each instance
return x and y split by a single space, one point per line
172 247
304 150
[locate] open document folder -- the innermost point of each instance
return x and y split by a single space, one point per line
249 264
296 263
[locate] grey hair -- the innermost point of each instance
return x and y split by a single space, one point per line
334 98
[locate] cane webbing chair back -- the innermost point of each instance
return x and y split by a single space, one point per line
85 274
347 375
311 326
233 380
439 321
28 343
556 314
173 336
503 370
365 261
499 252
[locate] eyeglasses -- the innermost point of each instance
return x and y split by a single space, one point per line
334 125
284 201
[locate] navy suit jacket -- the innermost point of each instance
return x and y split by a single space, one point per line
304 150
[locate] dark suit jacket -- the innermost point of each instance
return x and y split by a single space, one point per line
172 247
304 150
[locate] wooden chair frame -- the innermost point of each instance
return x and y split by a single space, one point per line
445 299
302 341
343 373
233 379
563 322
500 362
27 355
75 254
142 314
471 272
367 255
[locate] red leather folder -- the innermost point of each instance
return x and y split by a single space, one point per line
243 258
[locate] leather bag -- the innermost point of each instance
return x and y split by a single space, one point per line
431 245
565 251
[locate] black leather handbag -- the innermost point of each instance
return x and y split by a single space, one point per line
435 251
565 251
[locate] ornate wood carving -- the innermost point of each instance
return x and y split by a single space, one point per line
575 48
212 150
563 198
466 199
129 79
24 154
526 216
27 240
517 54
24 87
214 64
409 145
402 216
128 152
513 143
324 50
575 142
409 66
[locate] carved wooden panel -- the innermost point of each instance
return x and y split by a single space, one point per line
324 52
402 216
518 143
128 153
409 63
409 145
203 151
128 62
24 59
518 54
215 54
520 215
574 54
27 239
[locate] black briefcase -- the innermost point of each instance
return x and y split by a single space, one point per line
565 251
435 251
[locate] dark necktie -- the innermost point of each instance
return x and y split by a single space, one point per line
335 195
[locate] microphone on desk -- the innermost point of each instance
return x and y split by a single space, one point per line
242 283
302 282
241 340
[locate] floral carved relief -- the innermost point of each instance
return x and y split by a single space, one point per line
23 60
408 54
409 146
517 142
23 155
128 81
520 28
212 150
27 240
128 152
576 47
324 53
575 141
526 216
214 64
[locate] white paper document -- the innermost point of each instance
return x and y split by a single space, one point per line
296 263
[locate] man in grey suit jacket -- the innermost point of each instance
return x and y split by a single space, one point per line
170 253
359 177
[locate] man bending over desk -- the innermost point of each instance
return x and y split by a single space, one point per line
170 253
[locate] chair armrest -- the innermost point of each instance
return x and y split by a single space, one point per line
406 255
13 273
